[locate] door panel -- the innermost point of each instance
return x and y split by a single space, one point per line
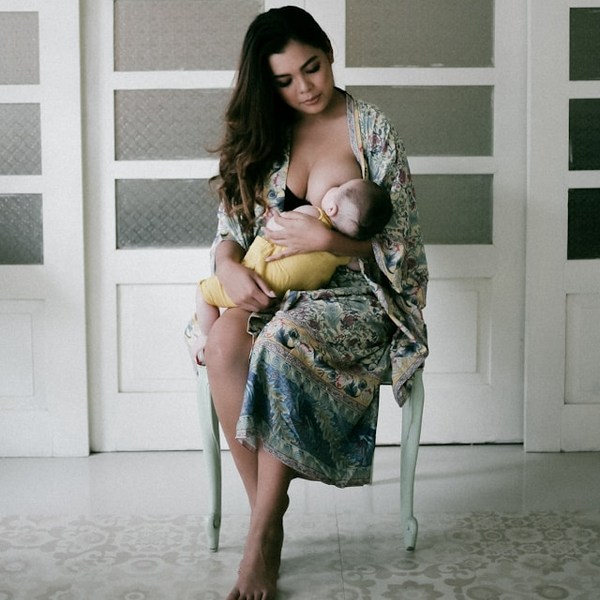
563 254
151 215
461 111
43 380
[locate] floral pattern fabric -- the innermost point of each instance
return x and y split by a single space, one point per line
312 393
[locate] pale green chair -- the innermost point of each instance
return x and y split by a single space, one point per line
412 415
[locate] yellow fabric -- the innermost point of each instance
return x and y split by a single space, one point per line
309 271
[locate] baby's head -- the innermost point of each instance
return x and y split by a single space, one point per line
358 208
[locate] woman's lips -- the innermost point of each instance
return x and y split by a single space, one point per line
312 100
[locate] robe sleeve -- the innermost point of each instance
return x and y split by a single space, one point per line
399 274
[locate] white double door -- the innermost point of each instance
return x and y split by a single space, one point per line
117 347
142 392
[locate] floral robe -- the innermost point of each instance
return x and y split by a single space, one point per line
313 389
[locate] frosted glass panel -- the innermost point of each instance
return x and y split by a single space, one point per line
165 213
168 124
20 147
19 48
421 33
21 229
455 209
584 58
584 224
166 35
584 134
437 121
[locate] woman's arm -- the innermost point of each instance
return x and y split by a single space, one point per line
247 289
342 245
300 233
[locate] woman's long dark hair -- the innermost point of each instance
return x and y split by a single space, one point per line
257 120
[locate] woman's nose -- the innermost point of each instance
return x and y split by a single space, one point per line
304 84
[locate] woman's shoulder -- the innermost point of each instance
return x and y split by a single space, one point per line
365 110
369 117
376 130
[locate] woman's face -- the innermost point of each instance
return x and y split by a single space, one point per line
303 77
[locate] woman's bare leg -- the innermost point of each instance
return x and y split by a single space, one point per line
227 354
265 478
257 577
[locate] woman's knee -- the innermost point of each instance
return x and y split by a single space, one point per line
228 341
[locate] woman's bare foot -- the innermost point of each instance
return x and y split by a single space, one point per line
257 576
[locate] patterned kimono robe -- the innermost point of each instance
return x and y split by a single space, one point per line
313 389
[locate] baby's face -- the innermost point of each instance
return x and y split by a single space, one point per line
334 197
340 209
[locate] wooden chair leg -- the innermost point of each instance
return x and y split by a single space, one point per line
211 445
412 416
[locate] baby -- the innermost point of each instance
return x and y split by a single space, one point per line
359 209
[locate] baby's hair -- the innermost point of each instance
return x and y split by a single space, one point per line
374 208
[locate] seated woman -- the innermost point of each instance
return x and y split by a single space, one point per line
295 384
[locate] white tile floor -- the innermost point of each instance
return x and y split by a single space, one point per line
495 524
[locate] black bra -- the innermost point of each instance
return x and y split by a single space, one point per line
291 201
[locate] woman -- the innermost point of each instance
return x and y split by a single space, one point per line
297 383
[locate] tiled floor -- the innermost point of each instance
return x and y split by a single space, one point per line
495 524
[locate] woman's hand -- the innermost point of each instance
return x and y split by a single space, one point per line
298 233
247 289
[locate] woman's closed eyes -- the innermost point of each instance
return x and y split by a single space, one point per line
313 66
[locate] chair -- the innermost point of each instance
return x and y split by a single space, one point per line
412 414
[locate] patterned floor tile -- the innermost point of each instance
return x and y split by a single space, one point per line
478 556
472 556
